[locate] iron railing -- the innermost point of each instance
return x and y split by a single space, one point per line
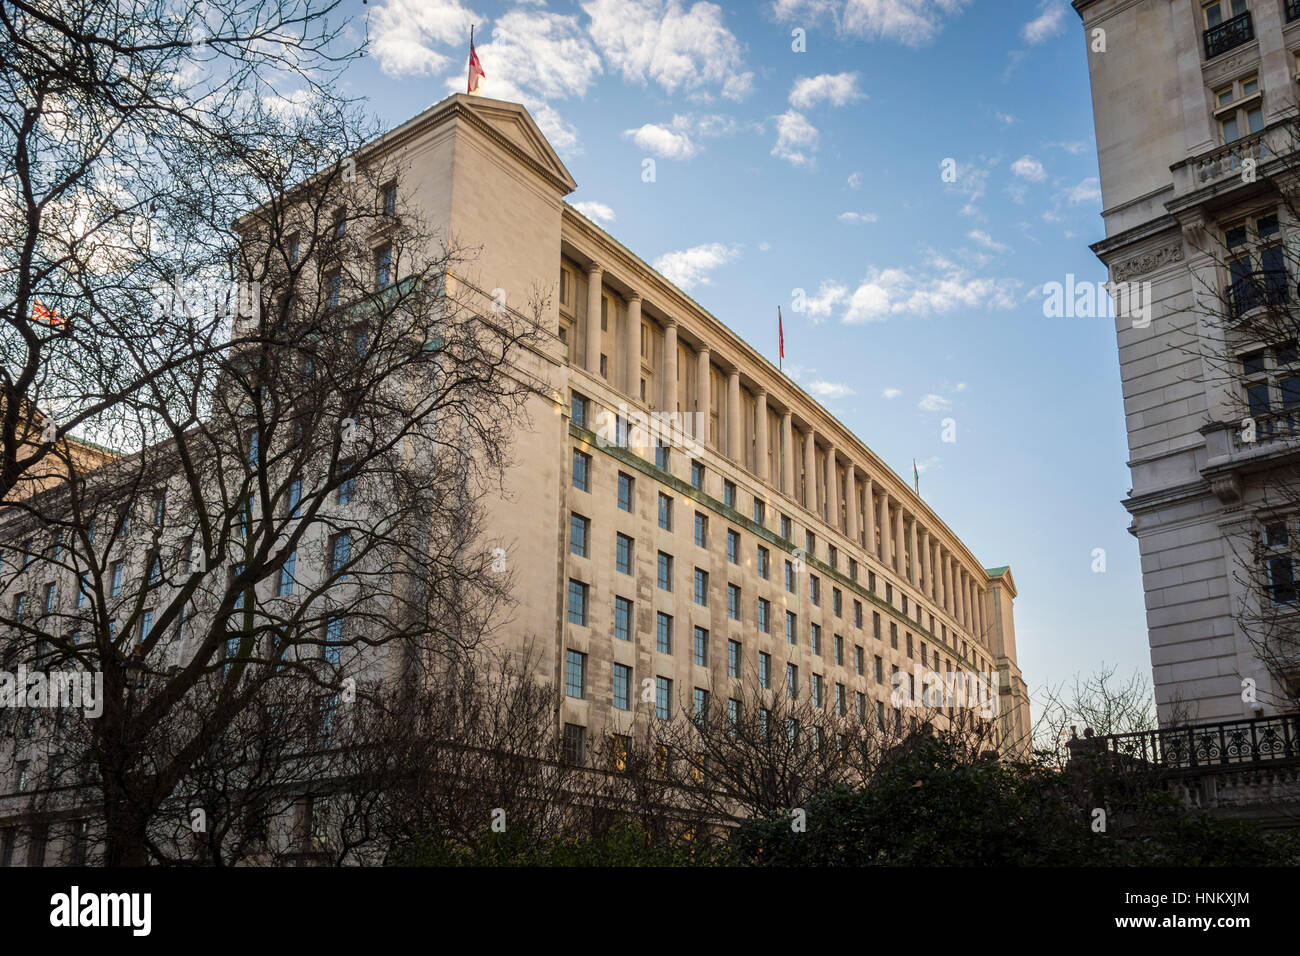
1260 288
1228 34
1233 743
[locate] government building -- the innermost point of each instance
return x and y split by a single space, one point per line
678 517
771 542
1195 110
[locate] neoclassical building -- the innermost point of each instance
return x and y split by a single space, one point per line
1194 105
769 537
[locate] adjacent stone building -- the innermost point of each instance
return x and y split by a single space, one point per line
1194 105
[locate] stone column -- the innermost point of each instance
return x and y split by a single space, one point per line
913 575
703 395
760 436
886 532
936 586
594 276
898 538
734 449
632 347
670 367
945 568
923 544
850 503
869 517
787 453
810 470
832 504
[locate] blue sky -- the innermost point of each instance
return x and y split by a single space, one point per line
820 170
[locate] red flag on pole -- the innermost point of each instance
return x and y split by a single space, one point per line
48 316
475 68
780 332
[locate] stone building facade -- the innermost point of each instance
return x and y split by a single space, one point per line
1194 105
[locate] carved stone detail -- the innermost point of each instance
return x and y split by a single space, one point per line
1227 488
1148 262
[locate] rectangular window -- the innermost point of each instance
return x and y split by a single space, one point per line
577 603
875 624
665 512
733 658
575 674
764 670
624 492
817 690
733 602
833 556
729 493
858 657
663 697
814 590
764 560
791 627
665 572
663 633
880 669
622 687
733 546
700 647
661 457
764 616
389 199
340 551
697 476
839 650
733 713
862 707
578 409
789 577
333 289
701 587
1279 563
348 487
853 570
622 619
810 543
909 643
383 268
575 744
701 531
760 512
51 594
333 649
293 502
792 681
700 702
787 530
579 530
815 638
284 585
893 635
146 624
115 579
581 470
857 615
623 555
880 714
837 602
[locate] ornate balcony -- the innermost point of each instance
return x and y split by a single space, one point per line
1229 34
1231 744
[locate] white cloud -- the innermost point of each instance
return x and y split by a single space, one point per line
1006 119
909 22
886 292
838 89
796 138
1089 190
664 42
677 140
403 34
961 387
829 295
689 267
891 393
855 181
987 241
1026 167
1073 147
764 246
595 211
662 141
824 389
856 218
933 403
1047 24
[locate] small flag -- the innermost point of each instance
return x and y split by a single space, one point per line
476 73
780 334
916 478
48 316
